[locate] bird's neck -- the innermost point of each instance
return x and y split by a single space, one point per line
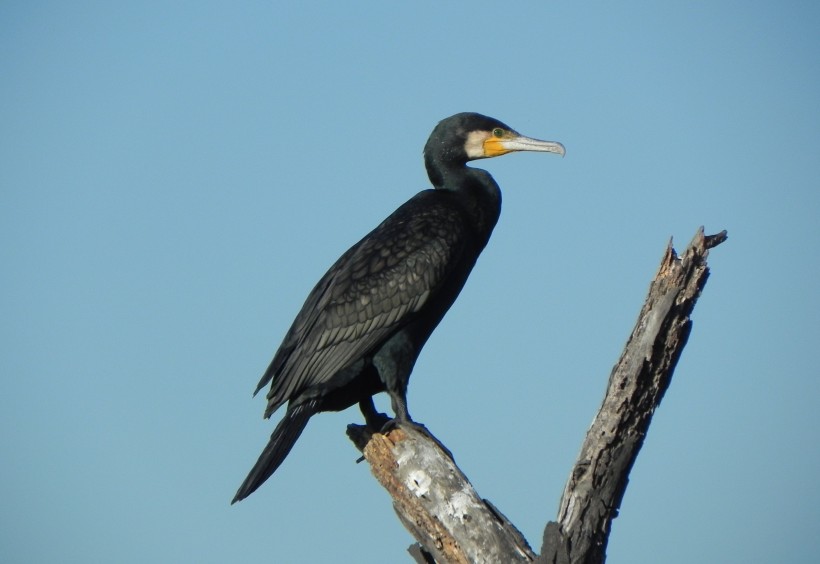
477 191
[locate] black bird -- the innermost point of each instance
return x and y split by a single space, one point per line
364 324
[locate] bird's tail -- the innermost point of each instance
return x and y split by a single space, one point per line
281 441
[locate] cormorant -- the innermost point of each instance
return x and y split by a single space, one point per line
364 324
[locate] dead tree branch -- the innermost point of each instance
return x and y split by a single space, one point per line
439 506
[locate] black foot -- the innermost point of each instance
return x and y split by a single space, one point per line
377 421
360 435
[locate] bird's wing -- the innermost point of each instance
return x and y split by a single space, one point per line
371 291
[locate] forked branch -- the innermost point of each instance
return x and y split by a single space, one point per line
439 506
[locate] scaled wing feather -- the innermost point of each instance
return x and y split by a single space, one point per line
371 291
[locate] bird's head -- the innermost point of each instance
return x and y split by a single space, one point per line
469 136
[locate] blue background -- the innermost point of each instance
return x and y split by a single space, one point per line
174 178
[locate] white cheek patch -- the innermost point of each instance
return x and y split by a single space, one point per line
474 147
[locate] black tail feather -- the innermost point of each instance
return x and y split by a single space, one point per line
281 441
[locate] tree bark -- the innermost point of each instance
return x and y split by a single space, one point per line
441 509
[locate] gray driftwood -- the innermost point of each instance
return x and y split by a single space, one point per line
452 523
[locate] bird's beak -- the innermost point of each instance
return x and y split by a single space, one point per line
496 146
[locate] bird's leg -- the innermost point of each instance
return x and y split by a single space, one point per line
398 400
374 419
374 423
394 362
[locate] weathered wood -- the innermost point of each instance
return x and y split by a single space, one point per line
638 381
437 503
439 506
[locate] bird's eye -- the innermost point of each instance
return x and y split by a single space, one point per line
498 132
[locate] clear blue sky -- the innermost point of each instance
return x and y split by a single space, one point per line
174 178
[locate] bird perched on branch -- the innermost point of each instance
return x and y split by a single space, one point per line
363 326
